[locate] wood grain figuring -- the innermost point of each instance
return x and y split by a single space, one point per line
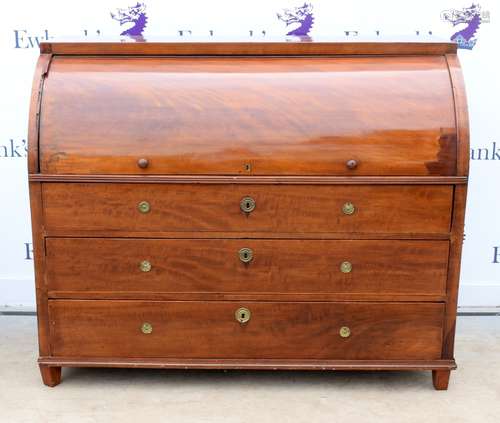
209 330
380 209
278 266
216 116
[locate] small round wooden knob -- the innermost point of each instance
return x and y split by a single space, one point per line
143 163
351 164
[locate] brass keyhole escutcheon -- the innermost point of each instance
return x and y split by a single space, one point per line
144 207
145 266
246 255
146 328
348 208
247 204
243 315
345 332
346 267
247 167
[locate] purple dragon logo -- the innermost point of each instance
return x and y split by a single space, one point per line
301 16
472 18
135 15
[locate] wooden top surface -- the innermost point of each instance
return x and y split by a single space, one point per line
251 46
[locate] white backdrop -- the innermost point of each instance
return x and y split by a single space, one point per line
26 22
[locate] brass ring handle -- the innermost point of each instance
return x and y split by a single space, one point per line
346 267
144 207
348 208
145 266
246 255
345 332
247 204
143 163
146 328
242 315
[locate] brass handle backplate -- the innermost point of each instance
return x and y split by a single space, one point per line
247 204
348 208
246 255
144 207
242 315
145 266
345 267
146 328
345 332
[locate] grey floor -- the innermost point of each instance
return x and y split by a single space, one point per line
131 395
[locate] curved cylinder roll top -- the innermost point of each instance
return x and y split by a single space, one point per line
316 114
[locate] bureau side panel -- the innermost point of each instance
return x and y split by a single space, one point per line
36 203
459 202
456 242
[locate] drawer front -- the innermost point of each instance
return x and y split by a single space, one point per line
281 116
275 330
224 208
205 265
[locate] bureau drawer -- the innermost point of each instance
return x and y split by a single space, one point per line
247 208
275 330
246 265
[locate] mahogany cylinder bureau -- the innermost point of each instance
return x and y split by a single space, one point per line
256 205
